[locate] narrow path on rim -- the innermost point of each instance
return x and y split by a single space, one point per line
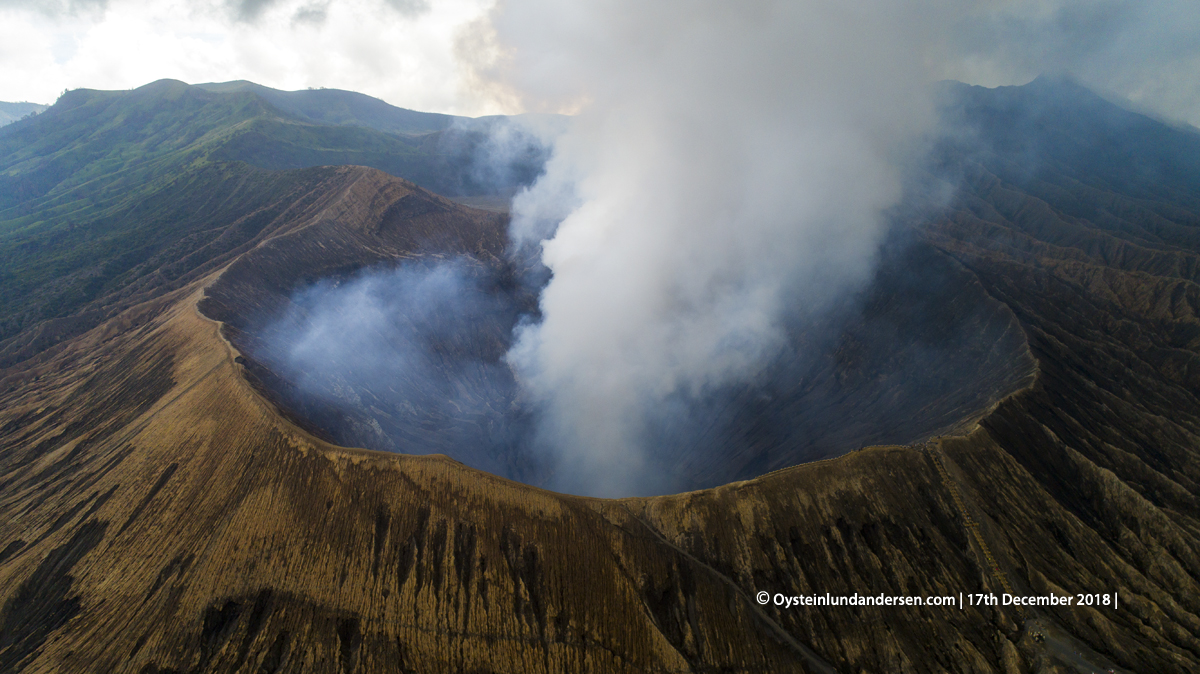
1056 641
970 523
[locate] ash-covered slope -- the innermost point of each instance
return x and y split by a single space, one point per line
159 514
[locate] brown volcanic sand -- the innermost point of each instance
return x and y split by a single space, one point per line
159 514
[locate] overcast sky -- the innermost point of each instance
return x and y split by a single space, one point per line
421 53
402 51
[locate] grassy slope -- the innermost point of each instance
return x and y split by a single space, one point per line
343 108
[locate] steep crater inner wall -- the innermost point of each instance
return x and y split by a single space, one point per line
922 351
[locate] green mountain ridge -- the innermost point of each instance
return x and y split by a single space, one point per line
343 108
92 186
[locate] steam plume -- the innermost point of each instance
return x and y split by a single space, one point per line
407 359
731 165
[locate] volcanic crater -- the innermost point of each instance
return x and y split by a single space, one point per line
921 350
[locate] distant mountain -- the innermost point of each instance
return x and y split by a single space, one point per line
478 156
241 122
11 112
91 188
1057 126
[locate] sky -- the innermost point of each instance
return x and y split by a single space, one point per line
402 51
427 54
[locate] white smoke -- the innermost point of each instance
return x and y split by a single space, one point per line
729 166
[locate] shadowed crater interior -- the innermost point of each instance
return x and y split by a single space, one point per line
406 353
411 359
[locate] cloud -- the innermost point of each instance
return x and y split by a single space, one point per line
58 7
729 170
409 7
249 10
402 52
312 14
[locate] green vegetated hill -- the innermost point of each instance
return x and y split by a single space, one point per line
11 112
343 108
97 188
